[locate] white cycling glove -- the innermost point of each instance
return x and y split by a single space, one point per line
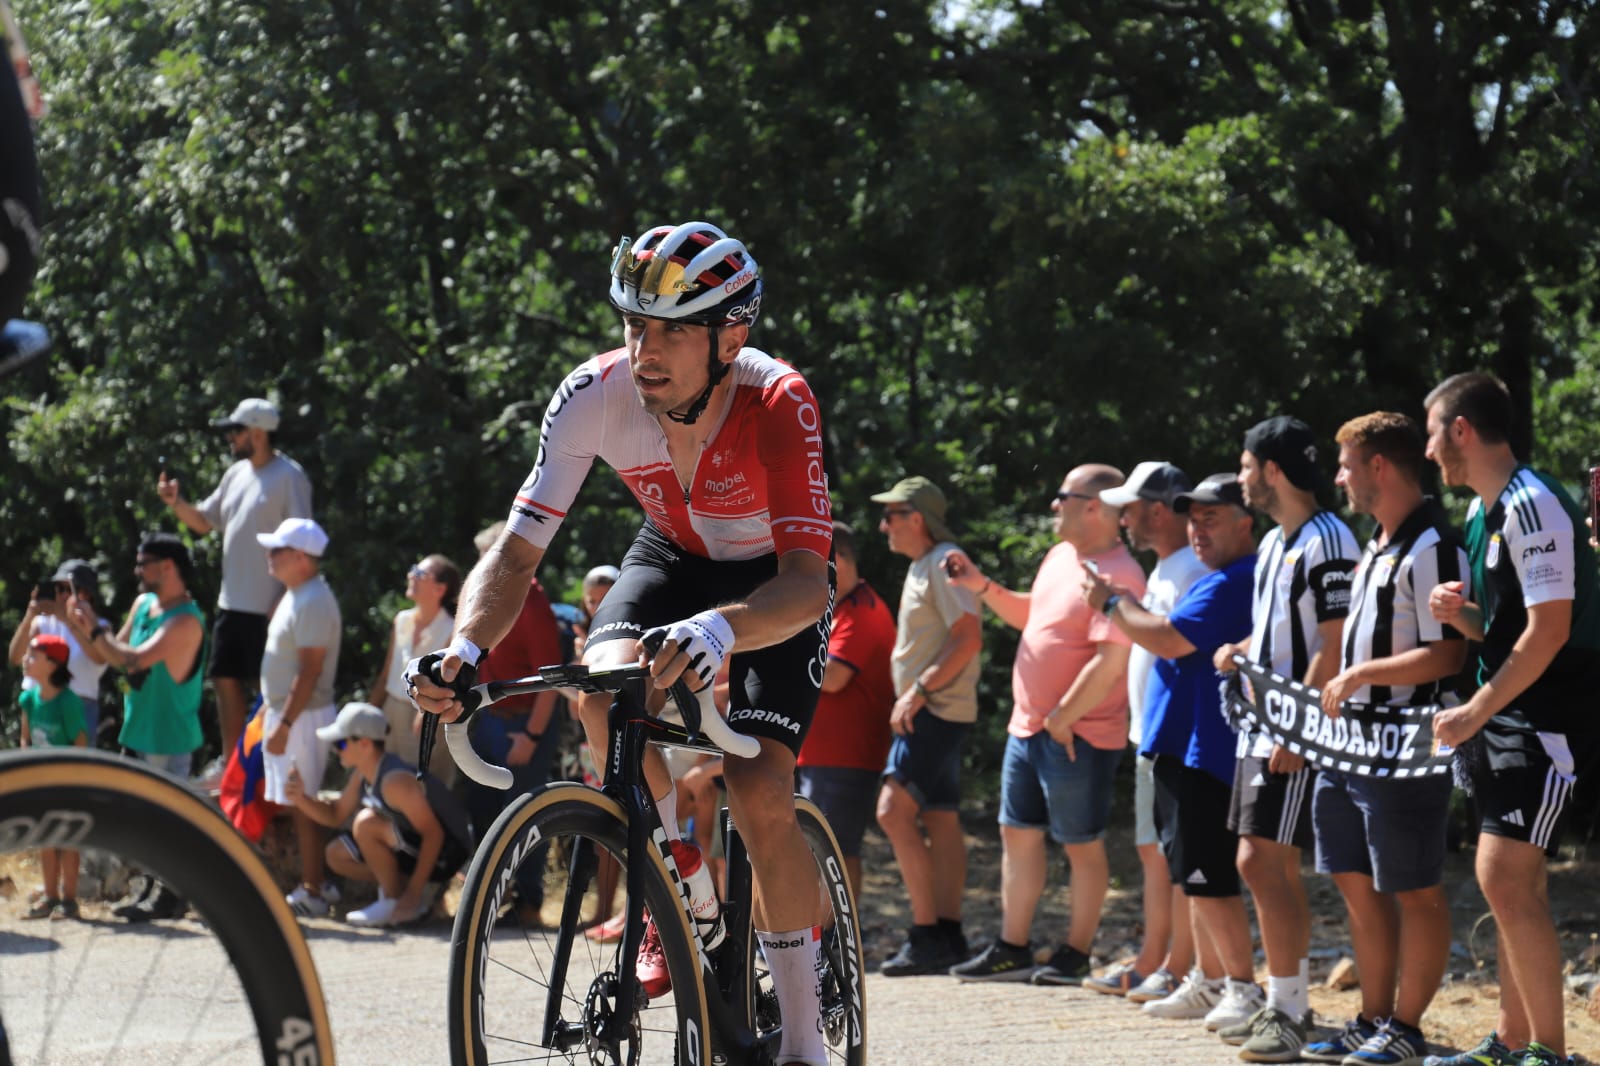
706 639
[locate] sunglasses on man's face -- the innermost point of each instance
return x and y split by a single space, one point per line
891 513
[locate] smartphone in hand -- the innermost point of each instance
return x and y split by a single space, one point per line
1092 566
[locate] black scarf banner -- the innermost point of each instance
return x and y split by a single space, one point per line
1367 739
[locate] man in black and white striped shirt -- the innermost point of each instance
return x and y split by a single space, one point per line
1302 594
1382 838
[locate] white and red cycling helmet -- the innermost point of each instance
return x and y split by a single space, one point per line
689 273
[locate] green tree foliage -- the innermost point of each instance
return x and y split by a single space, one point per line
999 237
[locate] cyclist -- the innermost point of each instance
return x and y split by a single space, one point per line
722 446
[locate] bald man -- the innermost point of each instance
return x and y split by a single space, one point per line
1068 729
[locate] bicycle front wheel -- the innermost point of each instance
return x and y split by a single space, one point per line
516 996
97 990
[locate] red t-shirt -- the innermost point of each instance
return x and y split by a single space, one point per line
851 726
534 642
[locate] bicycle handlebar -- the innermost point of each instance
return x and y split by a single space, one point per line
699 713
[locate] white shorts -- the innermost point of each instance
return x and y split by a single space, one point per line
305 752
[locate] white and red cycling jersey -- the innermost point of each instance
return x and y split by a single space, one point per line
758 488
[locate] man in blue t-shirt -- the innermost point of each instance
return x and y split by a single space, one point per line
1188 735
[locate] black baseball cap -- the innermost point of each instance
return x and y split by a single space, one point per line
1218 488
1289 442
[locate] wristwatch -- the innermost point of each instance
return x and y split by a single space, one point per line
1110 604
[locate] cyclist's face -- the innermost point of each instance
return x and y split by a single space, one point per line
668 360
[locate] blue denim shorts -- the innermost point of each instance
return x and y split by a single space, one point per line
1040 788
927 761
848 798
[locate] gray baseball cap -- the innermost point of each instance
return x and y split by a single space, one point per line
1156 480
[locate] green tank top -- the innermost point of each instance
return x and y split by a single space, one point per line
162 716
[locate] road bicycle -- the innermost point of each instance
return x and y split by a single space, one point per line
185 1000
546 992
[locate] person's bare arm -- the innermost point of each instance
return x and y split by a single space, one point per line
1549 626
1419 666
960 645
175 643
1325 663
171 494
837 675
791 600
332 815
1153 632
26 631
308 668
406 794
1107 670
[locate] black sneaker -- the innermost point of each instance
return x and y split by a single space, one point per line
161 903
999 962
958 941
1068 966
140 887
926 950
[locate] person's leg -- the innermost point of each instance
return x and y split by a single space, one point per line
1374 936
1514 879
69 873
1181 956
1023 866
374 835
1157 884
233 701
308 835
1424 951
343 856
1091 879
1273 873
761 800
898 817
50 868
1224 922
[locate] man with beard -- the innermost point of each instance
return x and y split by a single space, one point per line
261 489
1525 735
160 647
1302 594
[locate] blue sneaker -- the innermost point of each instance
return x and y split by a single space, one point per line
1394 1044
1357 1031
1489 1052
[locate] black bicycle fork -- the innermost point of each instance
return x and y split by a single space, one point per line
728 980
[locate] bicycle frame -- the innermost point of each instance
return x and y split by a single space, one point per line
630 728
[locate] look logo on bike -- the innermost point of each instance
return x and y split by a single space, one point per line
721 444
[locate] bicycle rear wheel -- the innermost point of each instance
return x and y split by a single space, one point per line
504 973
840 981
95 990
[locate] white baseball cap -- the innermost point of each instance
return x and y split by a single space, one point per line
356 720
255 413
606 574
301 534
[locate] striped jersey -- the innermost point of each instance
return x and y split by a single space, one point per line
1389 612
1531 547
1302 579
758 487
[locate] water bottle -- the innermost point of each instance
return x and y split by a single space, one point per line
702 893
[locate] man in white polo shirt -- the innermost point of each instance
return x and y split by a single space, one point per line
297 688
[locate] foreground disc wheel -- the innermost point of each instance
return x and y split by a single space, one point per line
516 997
236 984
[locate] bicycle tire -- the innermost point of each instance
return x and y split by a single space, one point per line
78 798
843 988
478 1032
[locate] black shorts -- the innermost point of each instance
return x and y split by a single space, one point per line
1191 809
238 643
1271 806
772 691
1522 780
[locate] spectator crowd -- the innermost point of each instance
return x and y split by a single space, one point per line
1494 632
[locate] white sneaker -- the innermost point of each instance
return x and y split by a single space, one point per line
1194 997
1239 1003
380 912
306 903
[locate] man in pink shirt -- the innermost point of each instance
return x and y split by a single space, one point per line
1069 726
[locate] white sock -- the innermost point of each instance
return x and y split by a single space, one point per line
1233 986
1305 975
794 959
1288 994
667 807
